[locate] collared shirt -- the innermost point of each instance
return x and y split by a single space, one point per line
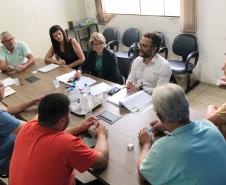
155 73
194 154
18 56
221 112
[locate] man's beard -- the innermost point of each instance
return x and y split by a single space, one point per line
144 54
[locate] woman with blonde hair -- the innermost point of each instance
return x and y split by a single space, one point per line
101 62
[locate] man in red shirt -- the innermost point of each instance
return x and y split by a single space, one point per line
46 154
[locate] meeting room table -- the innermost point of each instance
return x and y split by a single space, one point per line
122 167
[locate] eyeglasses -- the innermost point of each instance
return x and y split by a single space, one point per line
145 46
9 40
98 44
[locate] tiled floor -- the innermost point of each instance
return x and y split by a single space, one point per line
199 98
203 95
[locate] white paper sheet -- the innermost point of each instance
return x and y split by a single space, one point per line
99 88
8 81
48 68
80 83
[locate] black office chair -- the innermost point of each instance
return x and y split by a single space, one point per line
130 39
185 45
111 36
163 48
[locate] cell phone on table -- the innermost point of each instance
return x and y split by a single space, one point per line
113 91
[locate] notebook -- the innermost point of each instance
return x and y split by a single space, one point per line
48 68
137 101
132 102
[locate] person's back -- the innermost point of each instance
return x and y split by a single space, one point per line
193 154
52 153
44 154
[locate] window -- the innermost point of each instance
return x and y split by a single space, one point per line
143 7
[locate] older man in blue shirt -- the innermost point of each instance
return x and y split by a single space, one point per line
194 153
15 56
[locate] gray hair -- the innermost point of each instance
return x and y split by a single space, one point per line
171 103
3 34
98 37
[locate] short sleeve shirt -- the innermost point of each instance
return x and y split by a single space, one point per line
8 124
221 112
194 154
18 56
48 156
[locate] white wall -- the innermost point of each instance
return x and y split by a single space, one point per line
30 20
211 33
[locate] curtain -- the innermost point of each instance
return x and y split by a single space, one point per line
101 16
188 21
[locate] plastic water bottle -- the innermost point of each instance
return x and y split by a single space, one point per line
87 89
71 97
77 96
86 105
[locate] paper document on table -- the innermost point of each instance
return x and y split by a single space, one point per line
80 83
99 88
48 68
137 101
118 96
8 81
8 91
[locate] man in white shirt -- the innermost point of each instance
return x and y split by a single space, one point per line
149 69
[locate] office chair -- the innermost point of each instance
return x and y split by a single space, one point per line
111 36
185 45
163 48
130 39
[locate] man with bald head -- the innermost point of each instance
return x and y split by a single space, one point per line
15 56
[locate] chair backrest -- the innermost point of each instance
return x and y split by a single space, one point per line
184 44
110 34
163 44
130 36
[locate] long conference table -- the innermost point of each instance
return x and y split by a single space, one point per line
122 167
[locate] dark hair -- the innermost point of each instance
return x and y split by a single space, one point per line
155 38
56 44
51 108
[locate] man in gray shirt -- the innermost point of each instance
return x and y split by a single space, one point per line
149 69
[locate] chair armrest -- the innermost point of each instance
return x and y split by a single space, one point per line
164 50
131 48
194 54
111 44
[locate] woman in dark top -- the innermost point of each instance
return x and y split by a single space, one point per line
101 62
67 52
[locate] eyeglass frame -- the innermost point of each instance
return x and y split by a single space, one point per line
145 46
98 44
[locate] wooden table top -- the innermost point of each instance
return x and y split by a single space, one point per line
122 167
